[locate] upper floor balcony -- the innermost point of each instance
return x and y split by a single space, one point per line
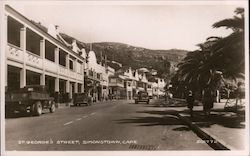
91 74
28 46
116 82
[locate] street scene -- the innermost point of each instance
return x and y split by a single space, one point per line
125 77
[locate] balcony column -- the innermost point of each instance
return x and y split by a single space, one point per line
75 87
23 47
75 65
82 88
67 61
67 90
56 54
3 40
56 90
42 53
67 86
42 79
22 78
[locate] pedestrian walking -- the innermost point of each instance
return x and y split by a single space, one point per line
240 93
208 100
190 102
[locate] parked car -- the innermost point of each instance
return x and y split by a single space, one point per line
82 98
34 98
142 96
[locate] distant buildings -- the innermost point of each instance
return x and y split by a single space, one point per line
37 55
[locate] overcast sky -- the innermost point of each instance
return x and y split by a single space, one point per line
149 26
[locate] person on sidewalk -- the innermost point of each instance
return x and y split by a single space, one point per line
208 100
240 93
190 102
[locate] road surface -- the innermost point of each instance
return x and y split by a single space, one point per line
113 125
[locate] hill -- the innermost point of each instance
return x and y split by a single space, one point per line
138 57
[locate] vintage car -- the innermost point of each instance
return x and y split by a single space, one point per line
32 98
82 98
142 96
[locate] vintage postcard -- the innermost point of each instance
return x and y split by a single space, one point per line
124 77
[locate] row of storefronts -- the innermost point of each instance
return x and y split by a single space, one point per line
36 55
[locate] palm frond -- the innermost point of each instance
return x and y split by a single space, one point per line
232 23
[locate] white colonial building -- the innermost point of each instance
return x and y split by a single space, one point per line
34 56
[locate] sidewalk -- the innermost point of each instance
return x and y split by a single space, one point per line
226 129
69 104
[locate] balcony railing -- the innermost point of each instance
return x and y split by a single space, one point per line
50 66
63 71
33 59
14 53
116 84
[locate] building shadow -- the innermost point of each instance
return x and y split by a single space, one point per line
21 115
17 115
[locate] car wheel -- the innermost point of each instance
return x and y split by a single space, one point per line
37 108
52 108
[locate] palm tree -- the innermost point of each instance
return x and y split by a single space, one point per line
191 69
216 57
227 54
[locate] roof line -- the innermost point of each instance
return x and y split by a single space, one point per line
11 10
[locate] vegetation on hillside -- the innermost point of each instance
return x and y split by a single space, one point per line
137 57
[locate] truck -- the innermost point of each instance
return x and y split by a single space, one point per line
82 98
32 98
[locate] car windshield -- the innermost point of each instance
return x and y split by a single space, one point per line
144 94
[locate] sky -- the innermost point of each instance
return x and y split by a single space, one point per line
148 25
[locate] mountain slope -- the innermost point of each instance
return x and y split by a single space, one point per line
137 57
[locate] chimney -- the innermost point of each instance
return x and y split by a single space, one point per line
83 53
53 30
74 46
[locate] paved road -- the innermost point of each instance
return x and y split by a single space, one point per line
115 125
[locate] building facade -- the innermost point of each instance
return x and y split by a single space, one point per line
35 57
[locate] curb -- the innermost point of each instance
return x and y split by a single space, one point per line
212 141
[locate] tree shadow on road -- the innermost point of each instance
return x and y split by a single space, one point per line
152 121
225 119
169 117
182 128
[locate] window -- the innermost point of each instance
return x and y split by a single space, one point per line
62 58
125 84
32 78
50 51
98 76
79 88
33 42
13 33
71 66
